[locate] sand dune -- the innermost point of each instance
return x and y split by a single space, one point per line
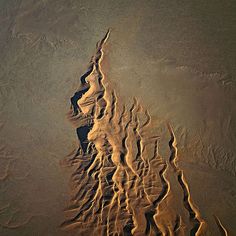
146 120
120 184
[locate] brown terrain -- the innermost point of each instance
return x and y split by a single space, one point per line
117 118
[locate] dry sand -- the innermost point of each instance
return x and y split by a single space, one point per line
129 131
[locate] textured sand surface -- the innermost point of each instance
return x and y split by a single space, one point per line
129 131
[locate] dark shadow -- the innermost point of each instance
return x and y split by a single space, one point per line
84 88
82 134
74 100
127 230
86 74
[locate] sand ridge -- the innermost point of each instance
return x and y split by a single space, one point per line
121 185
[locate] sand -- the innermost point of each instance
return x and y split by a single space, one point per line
117 118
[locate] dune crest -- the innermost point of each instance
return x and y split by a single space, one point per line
120 183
